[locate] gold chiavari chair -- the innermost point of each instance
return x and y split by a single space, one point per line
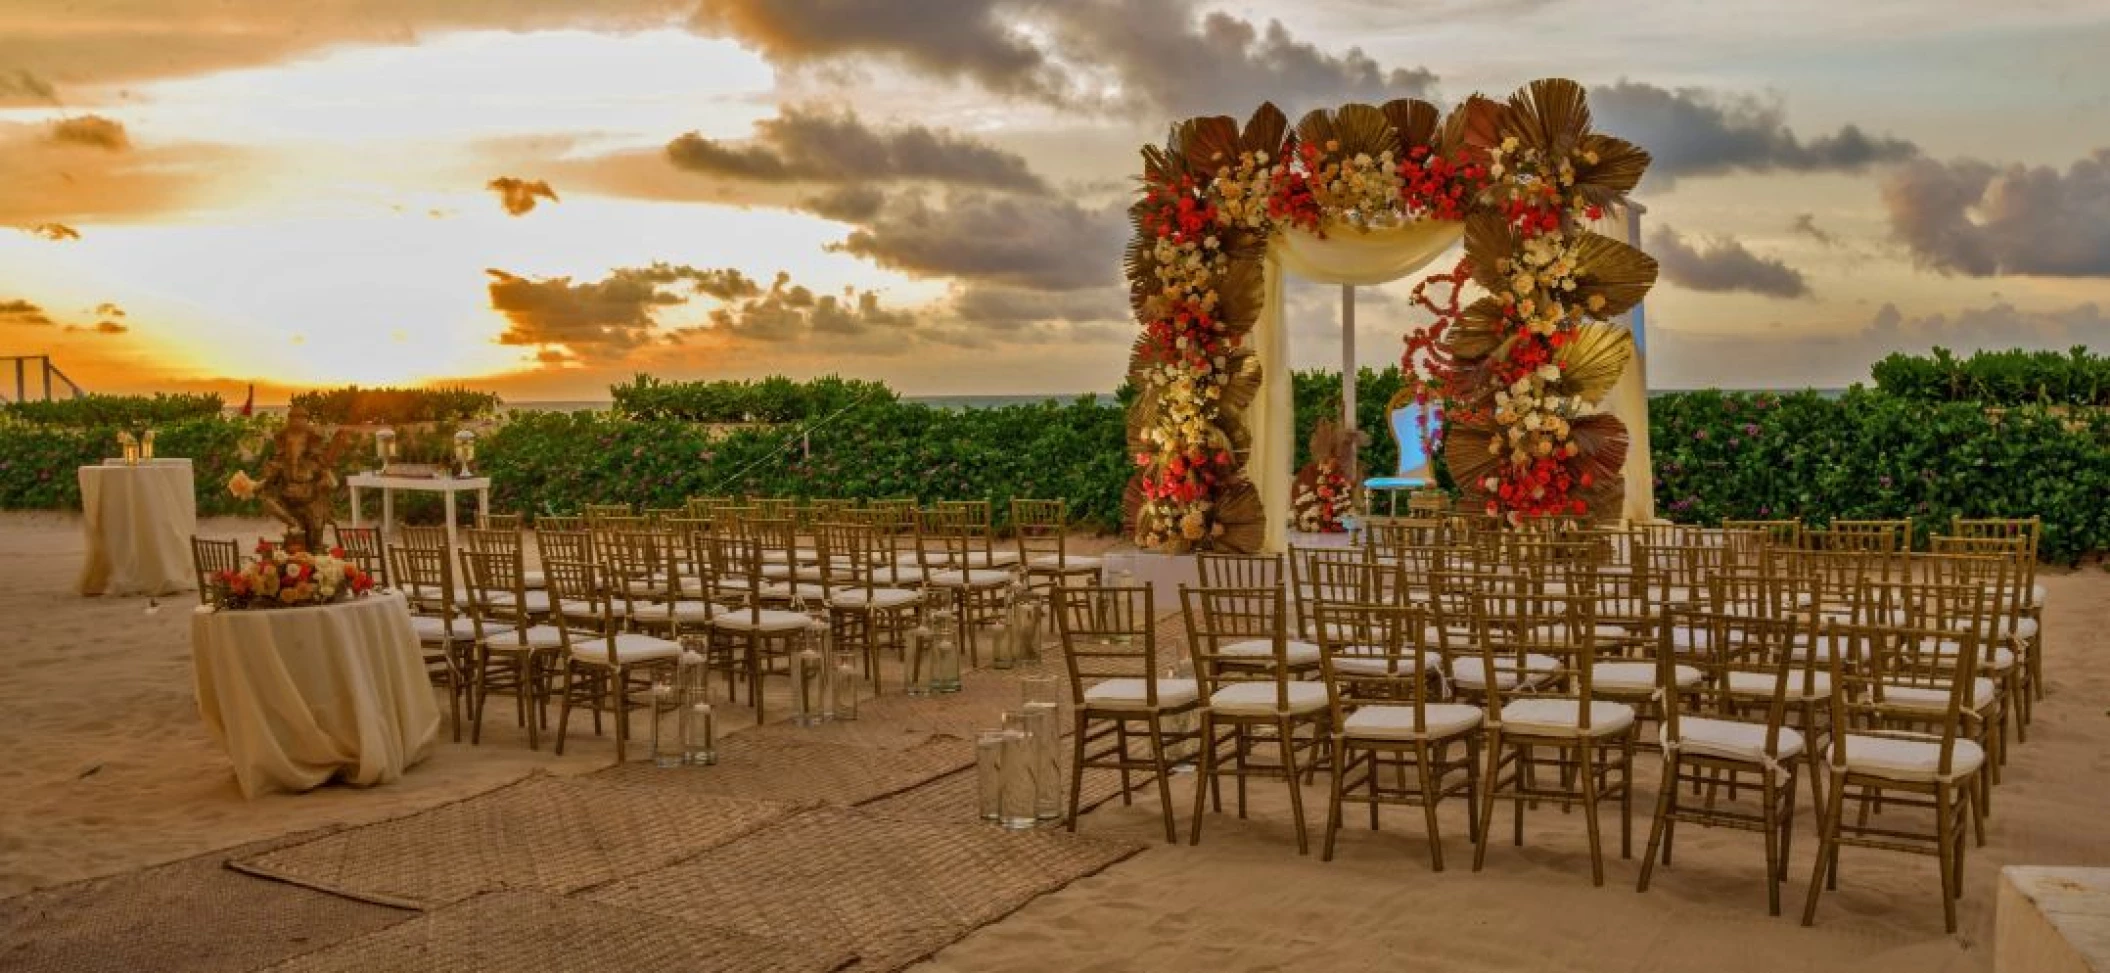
1120 689
1941 604
363 547
772 508
977 595
426 576
1042 529
2015 639
979 520
699 508
1731 747
1239 570
560 522
1550 638
601 661
2029 529
1383 682
207 559
784 561
1303 573
1876 536
1883 756
865 614
645 585
655 516
756 636
1775 533
1251 696
513 651
596 511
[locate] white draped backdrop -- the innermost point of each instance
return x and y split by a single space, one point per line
1351 257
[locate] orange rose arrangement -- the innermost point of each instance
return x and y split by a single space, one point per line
278 579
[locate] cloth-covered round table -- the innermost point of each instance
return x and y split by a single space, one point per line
298 696
138 521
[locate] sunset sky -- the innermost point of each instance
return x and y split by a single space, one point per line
542 196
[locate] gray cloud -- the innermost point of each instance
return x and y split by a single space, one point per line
1840 355
1725 265
93 131
20 312
1010 308
814 145
519 196
1693 131
602 319
946 38
1974 218
723 283
1998 325
1806 224
1041 243
792 312
848 204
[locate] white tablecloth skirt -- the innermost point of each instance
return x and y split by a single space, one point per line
138 521
299 696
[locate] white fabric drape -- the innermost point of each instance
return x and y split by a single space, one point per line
1343 256
1629 396
138 521
298 696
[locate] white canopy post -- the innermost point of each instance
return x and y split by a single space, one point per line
1348 376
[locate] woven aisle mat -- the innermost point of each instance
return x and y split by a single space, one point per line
953 798
551 834
190 916
892 890
529 932
790 767
896 720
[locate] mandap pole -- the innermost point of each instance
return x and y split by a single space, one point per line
1348 378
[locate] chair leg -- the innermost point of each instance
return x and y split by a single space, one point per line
1626 797
1164 771
1428 803
618 697
1473 784
1488 785
1588 760
1333 801
1206 765
1944 821
524 674
1077 772
1826 868
1666 805
564 708
1288 741
1769 793
477 692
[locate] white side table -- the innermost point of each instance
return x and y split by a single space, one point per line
446 486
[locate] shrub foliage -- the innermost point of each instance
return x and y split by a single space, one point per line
1999 378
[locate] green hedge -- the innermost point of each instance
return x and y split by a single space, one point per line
772 400
1999 378
133 412
38 463
556 462
353 405
1869 455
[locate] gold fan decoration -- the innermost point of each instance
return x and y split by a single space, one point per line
1530 360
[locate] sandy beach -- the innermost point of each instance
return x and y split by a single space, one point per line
108 769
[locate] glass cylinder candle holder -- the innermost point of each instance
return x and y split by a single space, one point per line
1003 653
1036 621
146 445
1042 726
128 448
915 660
385 446
989 774
1040 688
945 656
1016 798
464 451
848 684
666 728
809 680
699 735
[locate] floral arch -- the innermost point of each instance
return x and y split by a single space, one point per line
1519 372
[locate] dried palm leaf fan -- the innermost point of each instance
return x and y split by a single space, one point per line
1209 143
1143 415
1601 441
1490 241
1473 127
1349 130
1244 520
1264 131
1616 172
1139 263
1607 268
1465 454
1132 501
1477 333
1240 294
1416 122
1592 360
1244 387
1550 114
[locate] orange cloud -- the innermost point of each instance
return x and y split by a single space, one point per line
92 131
518 196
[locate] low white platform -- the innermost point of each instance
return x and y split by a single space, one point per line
2052 920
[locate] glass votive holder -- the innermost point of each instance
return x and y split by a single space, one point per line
989 774
666 732
699 735
1043 726
1003 654
1040 688
843 697
1016 801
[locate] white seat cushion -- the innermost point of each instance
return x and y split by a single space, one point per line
680 611
538 602
1259 699
1298 653
1397 722
971 579
2001 659
1935 700
991 559
771 620
1637 677
1370 662
1906 759
536 637
2036 595
1469 672
1760 685
1563 717
1067 562
1731 739
630 647
533 580
875 598
1132 694
431 629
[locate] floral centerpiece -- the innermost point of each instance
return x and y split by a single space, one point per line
278 579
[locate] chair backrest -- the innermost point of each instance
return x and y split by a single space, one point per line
736 573
207 559
1767 651
1239 570
638 567
596 511
559 522
1780 533
946 535
498 521
2030 529
1304 571
588 608
423 538
1404 419
497 597
701 507
1108 633
1871 663
566 545
1220 618
426 576
1375 653
2004 563
362 546
1042 529
1512 627
850 558
1879 536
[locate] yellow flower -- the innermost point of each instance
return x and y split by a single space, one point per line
241 485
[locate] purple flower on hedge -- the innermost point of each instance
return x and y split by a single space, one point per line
1765 511
1699 434
1883 481
1751 430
